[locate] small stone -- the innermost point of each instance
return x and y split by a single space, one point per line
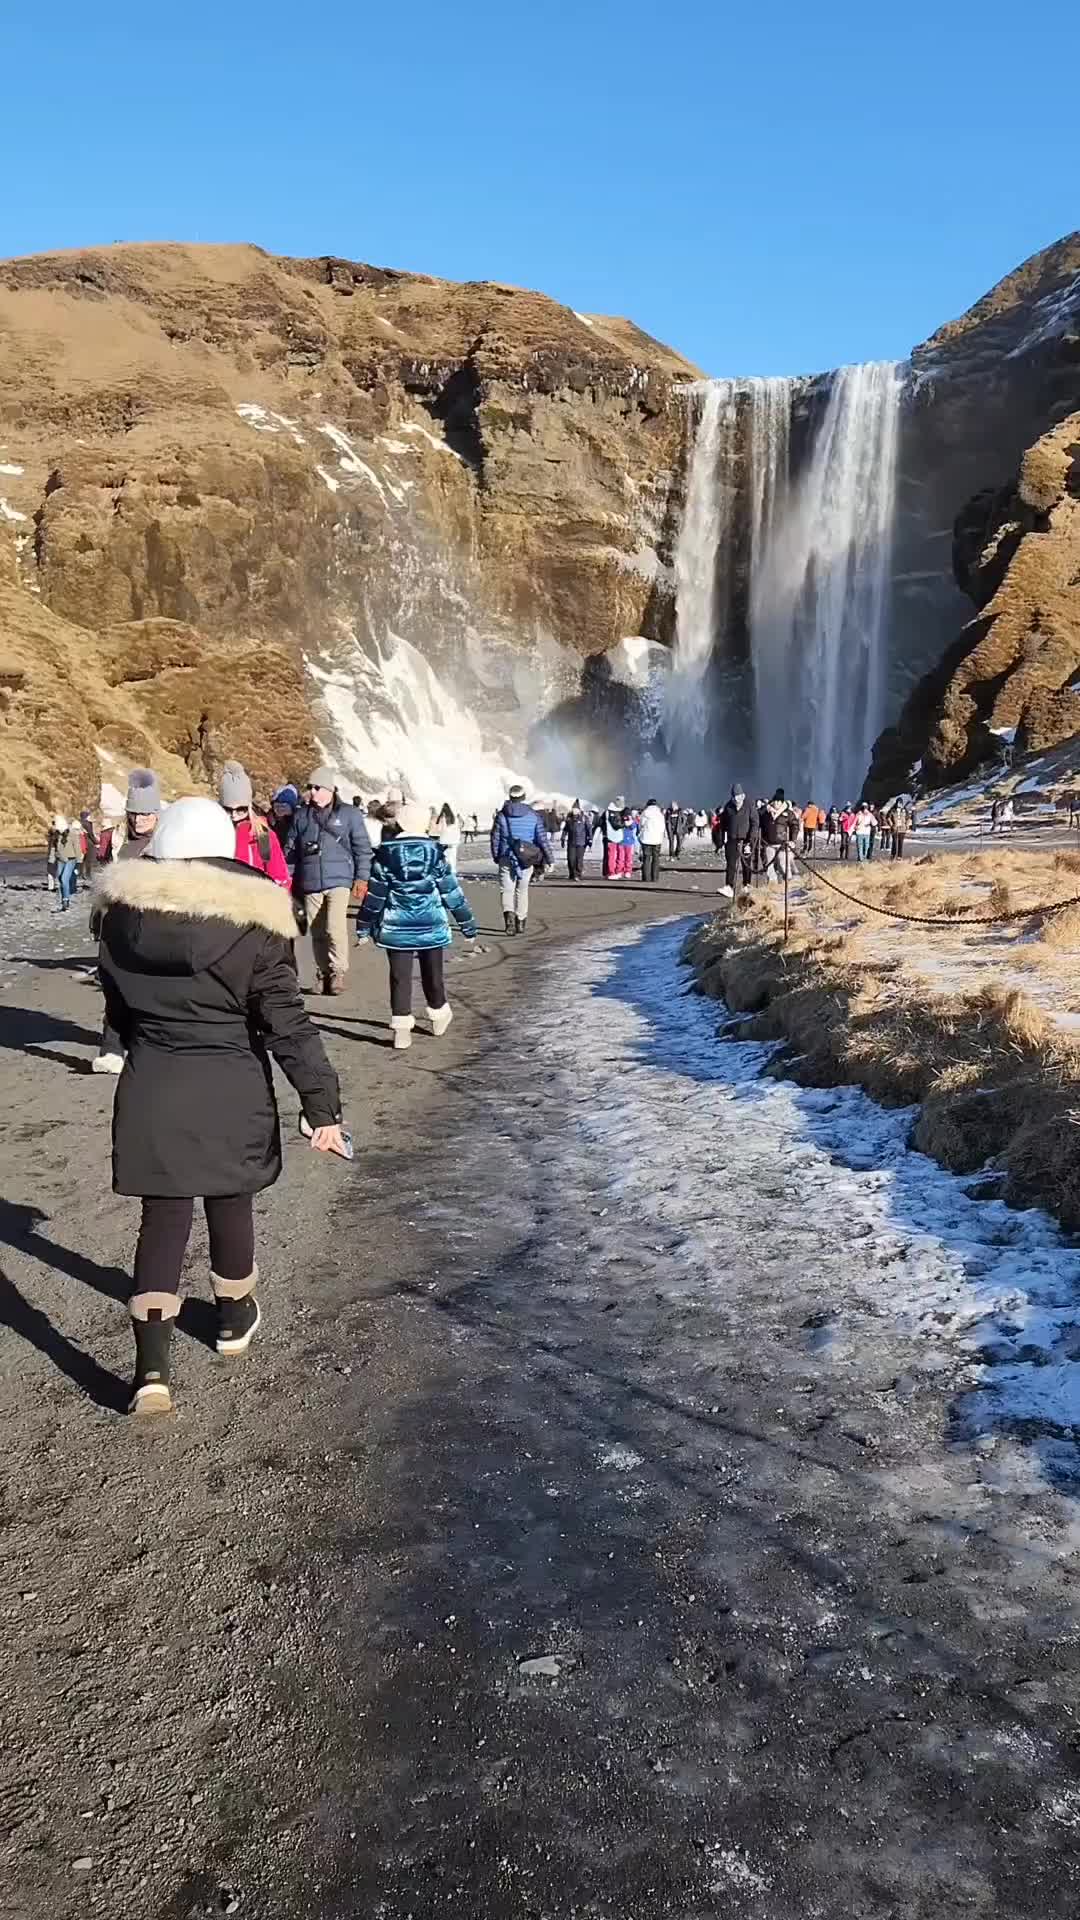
546 1667
82 1865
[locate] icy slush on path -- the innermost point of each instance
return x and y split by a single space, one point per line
823 1178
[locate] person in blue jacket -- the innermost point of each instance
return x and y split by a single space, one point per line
410 896
328 853
519 844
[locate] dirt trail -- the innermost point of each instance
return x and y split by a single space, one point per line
550 1375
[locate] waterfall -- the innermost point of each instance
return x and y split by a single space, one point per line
810 508
819 575
701 570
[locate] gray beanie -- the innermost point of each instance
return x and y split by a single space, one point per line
235 787
324 777
143 794
517 791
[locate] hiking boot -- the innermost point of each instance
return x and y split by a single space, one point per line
440 1018
333 984
108 1063
237 1323
519 924
510 922
401 1026
153 1344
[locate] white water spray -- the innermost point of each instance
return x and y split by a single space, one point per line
820 566
701 574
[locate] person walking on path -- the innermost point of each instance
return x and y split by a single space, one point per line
631 841
142 814
519 845
412 892
195 961
652 839
283 805
673 822
448 834
611 834
256 844
577 838
736 831
899 821
70 849
329 852
864 828
810 818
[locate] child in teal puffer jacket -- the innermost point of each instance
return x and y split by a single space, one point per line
411 895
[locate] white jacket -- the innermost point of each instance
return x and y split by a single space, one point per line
652 826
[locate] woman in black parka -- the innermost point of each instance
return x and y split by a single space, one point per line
197 969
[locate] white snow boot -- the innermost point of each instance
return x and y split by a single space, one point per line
108 1063
440 1018
402 1025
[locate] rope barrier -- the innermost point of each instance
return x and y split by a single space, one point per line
927 920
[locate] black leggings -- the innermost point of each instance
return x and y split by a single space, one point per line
401 977
650 862
166 1229
575 860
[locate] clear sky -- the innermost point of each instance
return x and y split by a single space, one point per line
773 186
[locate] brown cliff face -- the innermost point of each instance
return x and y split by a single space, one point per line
1014 671
237 492
984 513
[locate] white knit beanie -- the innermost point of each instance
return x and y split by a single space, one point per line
413 819
193 829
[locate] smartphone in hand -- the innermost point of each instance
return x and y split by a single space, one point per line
307 1130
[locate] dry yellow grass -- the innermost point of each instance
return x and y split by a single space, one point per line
992 1077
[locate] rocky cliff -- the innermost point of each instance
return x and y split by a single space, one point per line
987 513
278 508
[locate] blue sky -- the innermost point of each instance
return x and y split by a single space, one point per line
772 186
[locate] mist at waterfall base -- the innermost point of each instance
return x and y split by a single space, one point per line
782 569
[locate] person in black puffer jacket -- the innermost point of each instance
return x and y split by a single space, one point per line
735 824
195 962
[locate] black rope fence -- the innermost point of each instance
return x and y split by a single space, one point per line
1012 914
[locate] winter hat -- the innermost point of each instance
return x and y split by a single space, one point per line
413 819
143 794
59 824
517 791
193 829
324 777
235 787
780 795
395 797
287 796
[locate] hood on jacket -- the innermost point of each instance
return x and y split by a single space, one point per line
186 914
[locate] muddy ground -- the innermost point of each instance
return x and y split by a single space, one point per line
804 1653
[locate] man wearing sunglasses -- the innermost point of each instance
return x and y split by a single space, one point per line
329 852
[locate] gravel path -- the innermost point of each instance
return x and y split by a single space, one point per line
587 1536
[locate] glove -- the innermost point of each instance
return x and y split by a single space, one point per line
359 892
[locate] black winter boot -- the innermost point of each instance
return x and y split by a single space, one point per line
510 923
519 924
238 1322
153 1343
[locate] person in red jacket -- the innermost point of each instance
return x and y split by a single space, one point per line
256 845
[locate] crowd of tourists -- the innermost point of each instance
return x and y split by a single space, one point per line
198 906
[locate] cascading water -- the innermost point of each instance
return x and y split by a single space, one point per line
812 525
819 576
701 574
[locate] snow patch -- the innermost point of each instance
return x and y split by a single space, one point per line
399 724
623 1459
265 421
333 484
6 467
440 446
583 317
992 1293
10 513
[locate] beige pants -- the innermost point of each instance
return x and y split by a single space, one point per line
328 925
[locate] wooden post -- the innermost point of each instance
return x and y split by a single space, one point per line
787 870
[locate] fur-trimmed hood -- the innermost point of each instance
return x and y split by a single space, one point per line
198 890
